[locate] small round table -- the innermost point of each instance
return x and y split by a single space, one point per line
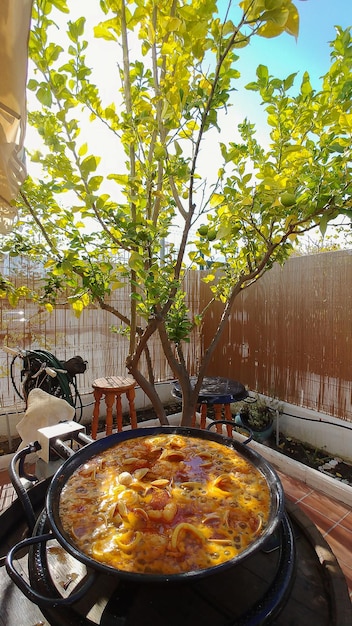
215 391
112 387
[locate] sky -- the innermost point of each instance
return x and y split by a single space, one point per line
283 55
311 51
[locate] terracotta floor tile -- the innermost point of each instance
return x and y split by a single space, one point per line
4 477
331 509
7 496
340 540
294 489
318 518
346 521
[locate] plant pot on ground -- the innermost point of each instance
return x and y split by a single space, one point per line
256 415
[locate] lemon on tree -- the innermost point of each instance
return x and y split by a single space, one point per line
211 236
203 230
287 199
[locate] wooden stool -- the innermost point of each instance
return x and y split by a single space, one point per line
217 416
113 387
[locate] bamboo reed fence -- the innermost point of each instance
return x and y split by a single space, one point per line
288 336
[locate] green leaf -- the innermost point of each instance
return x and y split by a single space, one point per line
292 24
270 30
102 31
89 164
120 179
272 120
252 86
75 29
136 296
83 149
306 87
247 178
277 16
77 307
262 72
52 53
173 24
198 319
159 152
209 278
61 5
271 5
336 147
216 199
136 261
44 96
324 220
32 84
95 182
288 82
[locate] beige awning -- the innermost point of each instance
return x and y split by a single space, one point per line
15 18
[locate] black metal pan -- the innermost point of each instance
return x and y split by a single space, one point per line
97 447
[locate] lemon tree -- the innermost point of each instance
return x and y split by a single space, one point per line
98 214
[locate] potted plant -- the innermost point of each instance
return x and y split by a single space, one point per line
256 415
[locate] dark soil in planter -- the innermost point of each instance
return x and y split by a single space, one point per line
5 447
316 458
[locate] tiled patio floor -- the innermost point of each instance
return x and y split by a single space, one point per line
333 519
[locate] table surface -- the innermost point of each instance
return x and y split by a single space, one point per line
216 389
114 382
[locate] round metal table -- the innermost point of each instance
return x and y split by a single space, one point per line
217 392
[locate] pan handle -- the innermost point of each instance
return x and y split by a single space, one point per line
28 591
235 427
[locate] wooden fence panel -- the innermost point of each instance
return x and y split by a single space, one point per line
89 335
290 334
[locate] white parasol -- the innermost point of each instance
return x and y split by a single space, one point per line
15 16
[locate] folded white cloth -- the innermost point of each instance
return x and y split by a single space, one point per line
42 410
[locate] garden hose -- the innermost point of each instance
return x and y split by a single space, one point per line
53 362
